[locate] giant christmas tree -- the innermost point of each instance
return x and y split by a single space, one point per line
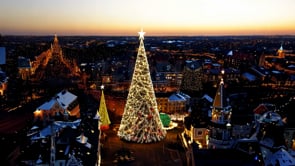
141 121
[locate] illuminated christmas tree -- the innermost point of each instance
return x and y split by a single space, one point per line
141 121
103 113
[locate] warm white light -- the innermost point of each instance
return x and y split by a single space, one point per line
141 122
102 87
38 111
141 34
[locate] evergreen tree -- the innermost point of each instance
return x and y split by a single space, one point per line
141 121
192 77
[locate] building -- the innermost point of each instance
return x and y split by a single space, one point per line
49 63
176 103
64 141
220 128
24 68
162 103
2 56
64 105
3 82
280 52
196 132
3 78
270 135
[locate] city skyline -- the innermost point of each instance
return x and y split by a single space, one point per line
159 18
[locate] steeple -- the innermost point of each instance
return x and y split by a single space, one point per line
280 52
55 41
55 47
281 48
218 100
220 129
221 110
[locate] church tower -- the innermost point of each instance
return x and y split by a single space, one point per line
220 129
56 50
280 52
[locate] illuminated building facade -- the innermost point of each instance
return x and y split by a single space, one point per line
49 64
3 83
220 129
280 52
64 104
24 68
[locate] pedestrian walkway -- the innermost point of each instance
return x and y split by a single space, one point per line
118 152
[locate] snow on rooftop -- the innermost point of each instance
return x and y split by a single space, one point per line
2 56
178 97
249 76
58 125
275 72
65 98
279 157
208 98
47 106
230 53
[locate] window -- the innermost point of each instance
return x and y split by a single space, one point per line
200 132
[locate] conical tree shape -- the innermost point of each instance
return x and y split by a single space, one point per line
141 120
103 113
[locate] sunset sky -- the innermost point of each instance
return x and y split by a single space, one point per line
156 17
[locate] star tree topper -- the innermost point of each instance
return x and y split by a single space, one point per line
141 34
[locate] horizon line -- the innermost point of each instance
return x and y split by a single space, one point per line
152 35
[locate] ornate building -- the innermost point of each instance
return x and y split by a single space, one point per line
263 60
24 68
3 82
220 128
281 52
52 64
63 104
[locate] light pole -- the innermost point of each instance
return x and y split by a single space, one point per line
99 136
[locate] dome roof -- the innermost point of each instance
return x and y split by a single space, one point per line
271 117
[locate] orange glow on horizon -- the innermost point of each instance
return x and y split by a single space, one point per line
165 17
116 30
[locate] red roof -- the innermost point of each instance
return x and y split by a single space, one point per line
260 109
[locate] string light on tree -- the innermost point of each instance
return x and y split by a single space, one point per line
141 121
